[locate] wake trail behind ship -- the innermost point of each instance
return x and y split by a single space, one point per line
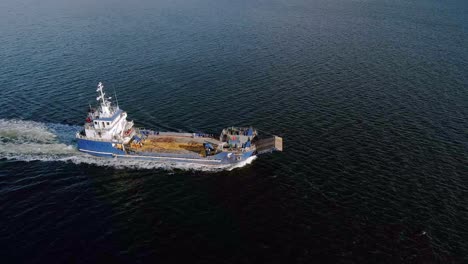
24 140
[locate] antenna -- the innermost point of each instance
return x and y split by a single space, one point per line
115 95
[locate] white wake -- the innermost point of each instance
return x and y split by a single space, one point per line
35 141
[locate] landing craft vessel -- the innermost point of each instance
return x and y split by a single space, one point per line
107 133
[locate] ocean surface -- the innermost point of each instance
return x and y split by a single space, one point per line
370 96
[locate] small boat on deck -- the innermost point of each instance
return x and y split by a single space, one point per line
108 133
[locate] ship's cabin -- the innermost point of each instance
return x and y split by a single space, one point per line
107 122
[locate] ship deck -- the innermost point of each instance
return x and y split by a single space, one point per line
173 143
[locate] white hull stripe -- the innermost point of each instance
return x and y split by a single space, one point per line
97 152
150 157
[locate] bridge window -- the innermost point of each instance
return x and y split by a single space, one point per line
107 123
103 124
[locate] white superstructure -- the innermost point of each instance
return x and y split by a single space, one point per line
107 122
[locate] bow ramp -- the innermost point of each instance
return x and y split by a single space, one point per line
270 144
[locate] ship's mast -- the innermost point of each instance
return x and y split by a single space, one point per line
104 104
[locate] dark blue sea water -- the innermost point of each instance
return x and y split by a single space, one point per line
371 97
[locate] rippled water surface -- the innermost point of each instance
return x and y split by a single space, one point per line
370 97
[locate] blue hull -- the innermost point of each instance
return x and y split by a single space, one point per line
98 148
106 149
